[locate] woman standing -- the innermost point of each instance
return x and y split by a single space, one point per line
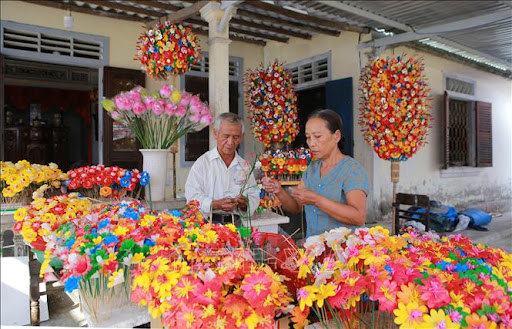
334 187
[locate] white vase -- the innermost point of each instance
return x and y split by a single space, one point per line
155 163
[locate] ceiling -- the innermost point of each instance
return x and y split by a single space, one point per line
478 33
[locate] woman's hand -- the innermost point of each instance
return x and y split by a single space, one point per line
304 196
271 185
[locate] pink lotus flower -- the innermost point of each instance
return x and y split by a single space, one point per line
181 110
139 108
196 117
149 102
135 96
165 91
170 108
118 100
158 107
196 104
114 115
185 98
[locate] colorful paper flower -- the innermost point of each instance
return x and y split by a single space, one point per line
394 108
167 49
272 104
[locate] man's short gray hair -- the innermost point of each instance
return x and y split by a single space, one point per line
229 118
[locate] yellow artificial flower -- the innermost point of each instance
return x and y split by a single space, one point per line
307 296
438 320
409 315
325 291
20 214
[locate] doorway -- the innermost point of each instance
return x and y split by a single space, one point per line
50 113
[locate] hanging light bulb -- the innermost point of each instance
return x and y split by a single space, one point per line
68 20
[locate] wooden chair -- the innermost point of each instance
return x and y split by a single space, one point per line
404 202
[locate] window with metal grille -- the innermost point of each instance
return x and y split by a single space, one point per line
311 71
468 133
39 43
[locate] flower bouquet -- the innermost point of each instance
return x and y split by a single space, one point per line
159 119
19 180
272 104
106 183
368 279
168 48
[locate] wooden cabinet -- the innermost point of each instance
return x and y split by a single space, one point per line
37 145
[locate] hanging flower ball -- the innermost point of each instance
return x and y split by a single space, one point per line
167 49
394 107
272 104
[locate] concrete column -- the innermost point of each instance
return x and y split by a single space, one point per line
218 43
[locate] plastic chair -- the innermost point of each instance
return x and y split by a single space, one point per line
420 212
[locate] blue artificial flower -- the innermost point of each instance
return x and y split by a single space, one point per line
442 264
176 213
128 174
144 181
70 243
149 242
132 214
110 239
462 253
71 283
389 269
66 182
461 267
103 223
125 182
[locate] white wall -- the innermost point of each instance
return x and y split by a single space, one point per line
421 174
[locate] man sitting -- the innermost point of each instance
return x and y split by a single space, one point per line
220 179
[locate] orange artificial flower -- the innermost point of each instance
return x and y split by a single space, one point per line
105 191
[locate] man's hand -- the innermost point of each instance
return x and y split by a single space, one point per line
225 204
241 202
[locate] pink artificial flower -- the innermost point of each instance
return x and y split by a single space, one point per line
149 102
256 287
135 96
158 107
181 111
170 108
165 91
195 104
82 267
118 102
209 292
139 295
207 119
185 98
196 117
434 293
139 108
189 317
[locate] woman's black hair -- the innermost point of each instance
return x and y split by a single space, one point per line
332 121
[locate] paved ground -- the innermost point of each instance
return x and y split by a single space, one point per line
65 309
